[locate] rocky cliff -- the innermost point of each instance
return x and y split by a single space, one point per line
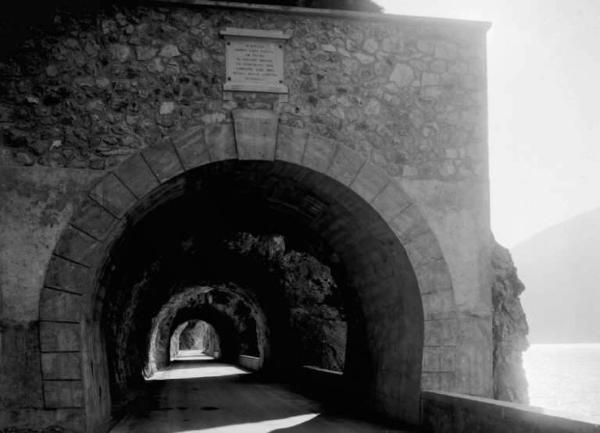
510 329
315 308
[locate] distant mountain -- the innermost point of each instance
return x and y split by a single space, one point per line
560 268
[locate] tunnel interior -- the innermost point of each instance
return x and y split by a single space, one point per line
283 263
194 336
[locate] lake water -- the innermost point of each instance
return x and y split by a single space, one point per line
564 377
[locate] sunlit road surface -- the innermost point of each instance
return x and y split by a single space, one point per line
210 397
191 355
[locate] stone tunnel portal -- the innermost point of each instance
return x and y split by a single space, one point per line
275 256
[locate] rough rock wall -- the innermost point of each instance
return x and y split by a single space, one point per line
510 329
316 314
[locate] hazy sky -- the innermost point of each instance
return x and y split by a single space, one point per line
544 93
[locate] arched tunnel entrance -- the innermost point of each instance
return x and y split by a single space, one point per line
280 260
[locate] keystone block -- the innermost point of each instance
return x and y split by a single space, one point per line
255 133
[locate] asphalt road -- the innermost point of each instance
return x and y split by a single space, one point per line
210 397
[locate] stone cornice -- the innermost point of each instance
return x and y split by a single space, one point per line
482 26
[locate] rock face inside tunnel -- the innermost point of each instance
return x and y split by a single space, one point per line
343 224
316 313
233 314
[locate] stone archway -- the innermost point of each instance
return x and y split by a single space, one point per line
196 335
73 363
197 302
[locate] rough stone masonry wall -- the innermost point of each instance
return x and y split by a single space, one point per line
91 91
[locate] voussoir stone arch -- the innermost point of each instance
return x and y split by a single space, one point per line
68 299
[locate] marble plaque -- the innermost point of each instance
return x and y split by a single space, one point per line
254 60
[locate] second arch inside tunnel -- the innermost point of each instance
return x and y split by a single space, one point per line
287 265
192 338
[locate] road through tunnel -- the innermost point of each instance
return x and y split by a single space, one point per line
285 263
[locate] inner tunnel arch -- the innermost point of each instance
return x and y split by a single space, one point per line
367 223
200 303
194 335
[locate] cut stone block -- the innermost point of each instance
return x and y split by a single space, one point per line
319 152
59 306
370 181
63 394
136 175
345 165
163 161
220 141
93 219
59 337
255 133
191 146
111 194
291 143
65 275
61 366
77 246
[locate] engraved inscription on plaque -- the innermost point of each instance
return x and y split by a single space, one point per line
254 60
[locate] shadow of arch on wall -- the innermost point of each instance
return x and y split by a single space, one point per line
73 356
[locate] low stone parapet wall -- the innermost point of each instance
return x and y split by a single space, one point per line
457 413
252 363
